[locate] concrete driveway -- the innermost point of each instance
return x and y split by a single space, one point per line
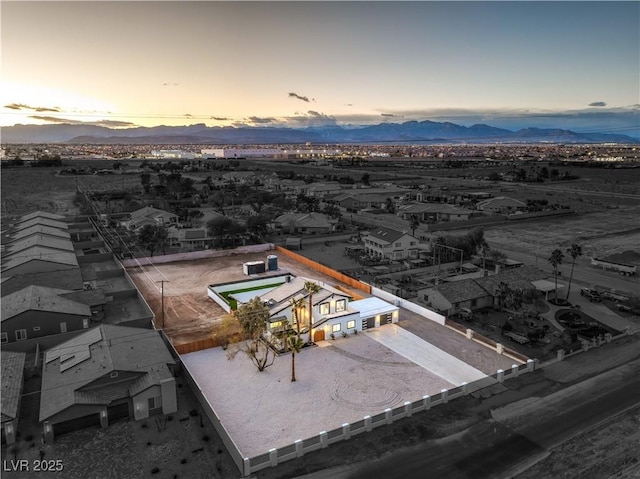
424 354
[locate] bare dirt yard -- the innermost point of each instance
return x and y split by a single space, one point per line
189 314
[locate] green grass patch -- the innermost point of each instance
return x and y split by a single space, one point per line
234 304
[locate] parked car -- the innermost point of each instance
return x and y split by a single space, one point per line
622 307
466 314
591 294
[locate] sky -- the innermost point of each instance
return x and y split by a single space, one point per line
572 65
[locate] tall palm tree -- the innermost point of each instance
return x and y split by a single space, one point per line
294 342
295 345
484 249
556 260
575 251
312 288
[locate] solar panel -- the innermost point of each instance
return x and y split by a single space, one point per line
75 350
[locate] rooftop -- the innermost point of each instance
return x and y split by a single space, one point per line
100 351
40 298
12 377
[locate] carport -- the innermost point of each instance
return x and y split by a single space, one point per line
545 286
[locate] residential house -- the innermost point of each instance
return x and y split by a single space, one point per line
449 298
501 205
476 293
150 216
321 190
434 212
12 364
190 239
310 223
37 311
333 312
108 373
391 244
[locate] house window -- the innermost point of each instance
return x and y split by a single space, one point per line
21 334
351 324
155 402
324 308
474 303
398 245
85 323
275 324
336 327
4 338
341 305
36 328
114 374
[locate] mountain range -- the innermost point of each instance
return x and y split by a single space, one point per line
407 132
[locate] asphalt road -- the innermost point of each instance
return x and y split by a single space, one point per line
500 449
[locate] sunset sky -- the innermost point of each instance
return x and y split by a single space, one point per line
510 64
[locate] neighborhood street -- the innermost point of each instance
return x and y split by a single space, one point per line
522 430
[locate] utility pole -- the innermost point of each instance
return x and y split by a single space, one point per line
162 281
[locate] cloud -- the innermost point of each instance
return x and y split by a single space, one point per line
390 115
598 103
220 118
39 109
299 97
66 121
260 121
188 115
170 84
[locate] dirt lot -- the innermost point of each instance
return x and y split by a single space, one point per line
189 314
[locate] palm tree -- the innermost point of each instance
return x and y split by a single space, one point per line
414 222
484 249
575 251
501 293
556 260
312 288
294 342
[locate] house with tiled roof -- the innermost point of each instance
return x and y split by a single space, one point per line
501 205
105 374
37 311
476 293
434 212
12 364
307 223
391 244
149 216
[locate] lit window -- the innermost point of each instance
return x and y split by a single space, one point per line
276 324
324 308
335 327
341 305
351 324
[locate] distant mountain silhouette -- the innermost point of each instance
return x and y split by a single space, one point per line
407 132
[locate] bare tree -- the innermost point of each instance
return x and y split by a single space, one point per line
253 318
